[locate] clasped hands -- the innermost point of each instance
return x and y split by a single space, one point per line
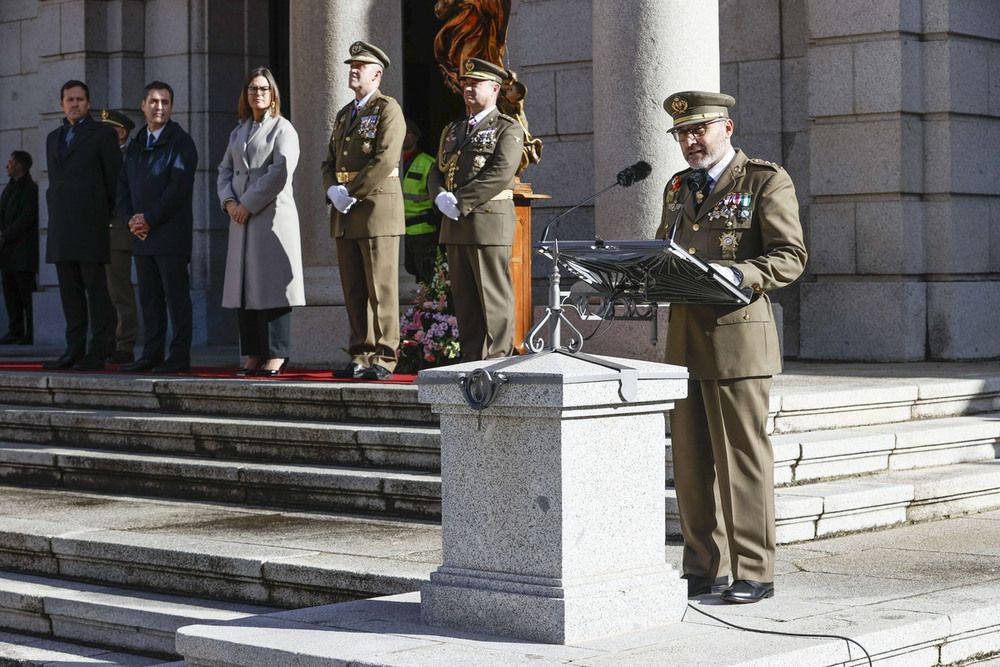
447 203
137 225
341 198
237 212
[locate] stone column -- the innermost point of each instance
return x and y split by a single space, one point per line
552 501
322 33
644 50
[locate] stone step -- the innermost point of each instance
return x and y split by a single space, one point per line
245 555
111 618
387 493
810 511
829 454
356 444
17 650
244 398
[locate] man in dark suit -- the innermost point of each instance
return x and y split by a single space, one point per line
361 177
745 223
83 161
19 247
119 269
472 185
155 197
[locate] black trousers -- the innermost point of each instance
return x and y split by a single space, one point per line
83 290
17 289
164 287
265 333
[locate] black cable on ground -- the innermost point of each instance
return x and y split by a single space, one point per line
785 634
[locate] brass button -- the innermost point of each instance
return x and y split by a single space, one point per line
695 226
347 139
746 316
345 153
729 223
757 289
692 250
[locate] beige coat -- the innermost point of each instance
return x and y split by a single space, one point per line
264 262
759 224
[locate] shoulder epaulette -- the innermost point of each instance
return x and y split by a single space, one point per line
767 164
509 119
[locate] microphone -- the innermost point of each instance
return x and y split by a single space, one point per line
637 172
625 178
696 180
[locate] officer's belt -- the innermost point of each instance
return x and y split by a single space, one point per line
348 176
415 197
503 194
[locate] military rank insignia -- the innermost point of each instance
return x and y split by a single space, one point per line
366 128
479 162
484 139
671 200
729 242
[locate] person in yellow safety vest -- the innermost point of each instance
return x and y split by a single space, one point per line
422 219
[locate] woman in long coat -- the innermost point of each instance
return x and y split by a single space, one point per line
264 262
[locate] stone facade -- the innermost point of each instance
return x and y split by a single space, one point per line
883 111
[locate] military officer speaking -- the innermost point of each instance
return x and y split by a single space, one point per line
361 177
746 222
472 185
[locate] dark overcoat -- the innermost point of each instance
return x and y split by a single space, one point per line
19 226
81 193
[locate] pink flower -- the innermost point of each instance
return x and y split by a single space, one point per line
419 336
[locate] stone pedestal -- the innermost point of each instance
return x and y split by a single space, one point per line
552 499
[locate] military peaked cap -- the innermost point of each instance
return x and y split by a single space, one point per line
474 68
693 107
118 119
367 53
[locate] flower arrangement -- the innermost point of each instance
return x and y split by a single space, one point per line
428 331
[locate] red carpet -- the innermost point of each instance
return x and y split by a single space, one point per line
297 375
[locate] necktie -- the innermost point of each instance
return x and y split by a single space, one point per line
472 122
354 112
702 194
150 141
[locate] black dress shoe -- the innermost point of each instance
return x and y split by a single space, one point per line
350 371
376 372
89 363
10 338
63 362
744 590
172 367
271 372
705 585
120 357
140 366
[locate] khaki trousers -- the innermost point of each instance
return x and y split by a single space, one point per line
483 289
724 476
369 273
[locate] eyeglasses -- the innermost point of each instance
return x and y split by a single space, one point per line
253 90
697 131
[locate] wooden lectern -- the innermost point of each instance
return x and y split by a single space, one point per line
520 260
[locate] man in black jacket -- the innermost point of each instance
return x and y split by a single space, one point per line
154 196
19 247
83 161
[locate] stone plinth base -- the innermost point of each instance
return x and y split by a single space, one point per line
552 499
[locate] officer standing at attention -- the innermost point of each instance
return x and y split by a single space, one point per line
119 269
745 222
361 177
472 185
422 221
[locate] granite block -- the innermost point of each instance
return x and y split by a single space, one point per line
956 318
831 80
832 244
574 101
750 30
851 18
863 321
890 237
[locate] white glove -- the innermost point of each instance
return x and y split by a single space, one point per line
726 273
341 199
447 203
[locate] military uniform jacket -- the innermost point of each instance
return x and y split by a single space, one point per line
750 222
368 148
81 193
481 164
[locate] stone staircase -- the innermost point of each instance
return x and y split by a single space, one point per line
136 505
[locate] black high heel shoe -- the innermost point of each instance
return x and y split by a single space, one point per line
271 372
249 371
